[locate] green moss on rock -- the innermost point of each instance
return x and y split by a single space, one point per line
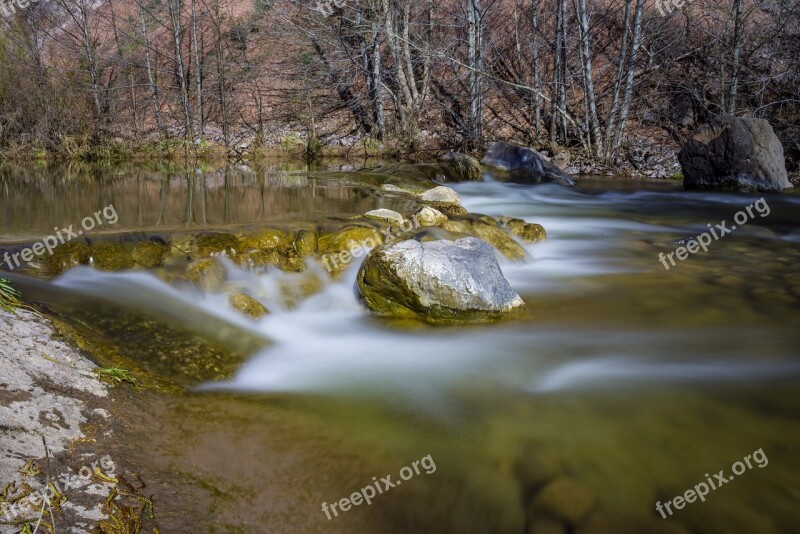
345 239
216 244
247 306
305 243
111 257
207 273
150 254
67 256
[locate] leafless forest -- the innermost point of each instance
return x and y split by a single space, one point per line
599 78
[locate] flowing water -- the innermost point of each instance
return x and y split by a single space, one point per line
635 380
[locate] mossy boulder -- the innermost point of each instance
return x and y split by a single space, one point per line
268 239
463 168
451 210
292 262
67 256
247 306
437 281
257 258
528 232
347 238
150 254
217 244
207 273
306 242
111 257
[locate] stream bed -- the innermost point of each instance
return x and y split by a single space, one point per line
623 385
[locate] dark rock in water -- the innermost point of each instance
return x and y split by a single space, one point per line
734 154
525 165
437 281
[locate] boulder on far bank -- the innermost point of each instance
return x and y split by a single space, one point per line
525 165
437 281
734 154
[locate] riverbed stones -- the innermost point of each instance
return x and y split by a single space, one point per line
247 306
385 215
441 195
437 281
734 154
525 165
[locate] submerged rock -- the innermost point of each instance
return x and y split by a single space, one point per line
150 254
734 154
247 306
437 281
111 257
207 273
525 165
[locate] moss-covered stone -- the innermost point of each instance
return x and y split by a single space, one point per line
67 256
528 232
346 238
463 168
268 239
216 244
491 233
305 242
257 258
247 306
150 254
111 257
292 263
451 210
207 273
